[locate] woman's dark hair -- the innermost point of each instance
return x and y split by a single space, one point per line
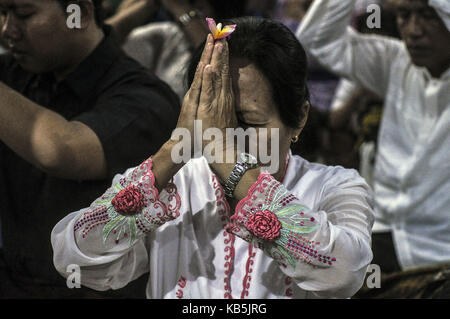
98 9
228 9
276 52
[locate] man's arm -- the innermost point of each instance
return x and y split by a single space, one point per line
48 141
131 15
365 59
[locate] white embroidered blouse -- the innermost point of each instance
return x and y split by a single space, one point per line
308 237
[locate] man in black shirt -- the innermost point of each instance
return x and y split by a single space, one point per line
74 111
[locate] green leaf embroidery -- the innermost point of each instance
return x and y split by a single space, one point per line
114 223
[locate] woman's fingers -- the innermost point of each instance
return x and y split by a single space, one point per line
204 60
207 50
216 81
225 70
193 95
207 94
217 64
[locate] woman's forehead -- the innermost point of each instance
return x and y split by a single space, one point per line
248 77
252 89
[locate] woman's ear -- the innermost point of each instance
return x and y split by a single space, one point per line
305 112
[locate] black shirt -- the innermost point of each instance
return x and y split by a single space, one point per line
131 111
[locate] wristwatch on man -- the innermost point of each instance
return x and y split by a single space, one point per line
187 17
244 163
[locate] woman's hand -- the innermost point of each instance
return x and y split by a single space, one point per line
210 100
216 108
192 98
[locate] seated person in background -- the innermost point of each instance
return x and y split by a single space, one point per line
302 230
166 47
74 111
355 113
412 170
354 117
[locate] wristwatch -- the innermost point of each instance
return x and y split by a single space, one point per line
244 163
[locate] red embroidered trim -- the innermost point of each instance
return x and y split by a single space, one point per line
173 209
288 281
146 183
248 271
181 283
224 211
259 186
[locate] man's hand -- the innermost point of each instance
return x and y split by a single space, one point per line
130 15
130 3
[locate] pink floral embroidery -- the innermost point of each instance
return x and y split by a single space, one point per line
270 218
129 201
264 224
131 207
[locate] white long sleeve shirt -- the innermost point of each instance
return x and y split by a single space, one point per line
191 247
412 170
163 48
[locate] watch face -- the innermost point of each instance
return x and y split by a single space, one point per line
248 159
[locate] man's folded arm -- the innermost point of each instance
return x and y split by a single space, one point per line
67 149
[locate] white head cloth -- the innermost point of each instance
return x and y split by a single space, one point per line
442 7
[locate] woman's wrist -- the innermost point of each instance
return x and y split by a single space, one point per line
164 167
223 171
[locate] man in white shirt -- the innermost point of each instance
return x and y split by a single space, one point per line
412 170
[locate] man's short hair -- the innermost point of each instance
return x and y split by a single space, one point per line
98 9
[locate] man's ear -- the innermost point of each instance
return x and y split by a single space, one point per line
80 14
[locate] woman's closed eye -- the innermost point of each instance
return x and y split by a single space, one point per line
250 120
246 124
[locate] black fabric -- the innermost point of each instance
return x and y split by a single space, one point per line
384 253
132 113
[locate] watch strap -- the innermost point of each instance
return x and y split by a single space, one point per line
232 181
